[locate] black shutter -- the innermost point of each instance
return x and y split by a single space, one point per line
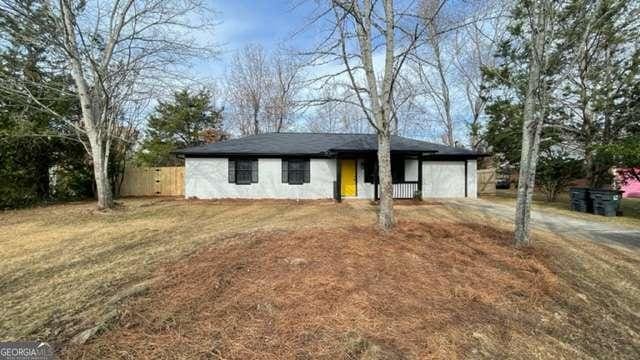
369 170
232 171
254 171
285 171
397 170
307 171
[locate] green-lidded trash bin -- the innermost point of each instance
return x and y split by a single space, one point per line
606 202
580 199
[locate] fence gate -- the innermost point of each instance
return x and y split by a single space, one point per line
153 181
486 181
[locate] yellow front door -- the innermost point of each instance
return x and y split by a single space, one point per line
348 178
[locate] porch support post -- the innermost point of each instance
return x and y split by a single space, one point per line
338 189
420 175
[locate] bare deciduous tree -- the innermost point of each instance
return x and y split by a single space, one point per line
336 116
360 33
263 90
436 88
285 87
406 111
446 69
474 48
119 52
248 86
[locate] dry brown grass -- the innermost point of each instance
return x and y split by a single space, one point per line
281 280
61 263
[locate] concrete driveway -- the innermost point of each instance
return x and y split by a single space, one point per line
610 234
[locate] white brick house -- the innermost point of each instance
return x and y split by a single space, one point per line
324 166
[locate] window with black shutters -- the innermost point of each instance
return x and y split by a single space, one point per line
243 171
296 171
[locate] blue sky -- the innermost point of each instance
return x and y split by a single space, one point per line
273 24
269 23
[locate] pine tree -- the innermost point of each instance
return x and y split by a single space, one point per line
600 42
31 140
186 120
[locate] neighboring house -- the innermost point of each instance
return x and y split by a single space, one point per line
322 166
631 186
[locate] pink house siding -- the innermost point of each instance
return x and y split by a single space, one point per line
631 189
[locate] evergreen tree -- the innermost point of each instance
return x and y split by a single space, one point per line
32 142
593 68
600 41
507 89
184 121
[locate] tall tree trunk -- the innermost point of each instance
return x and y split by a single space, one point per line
587 113
446 98
91 112
280 122
477 105
101 174
446 102
380 98
383 113
256 123
532 126
526 182
386 218
474 133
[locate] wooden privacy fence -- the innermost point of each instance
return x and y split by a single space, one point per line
486 181
153 181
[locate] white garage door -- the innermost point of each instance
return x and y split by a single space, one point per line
443 179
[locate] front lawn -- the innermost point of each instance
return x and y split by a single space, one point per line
61 264
170 278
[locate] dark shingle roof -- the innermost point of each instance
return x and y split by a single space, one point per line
316 144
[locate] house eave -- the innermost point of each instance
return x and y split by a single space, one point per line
446 157
253 154
427 155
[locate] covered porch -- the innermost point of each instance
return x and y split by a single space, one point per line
357 176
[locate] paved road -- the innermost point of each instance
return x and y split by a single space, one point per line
627 237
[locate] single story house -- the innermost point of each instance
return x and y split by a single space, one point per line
324 166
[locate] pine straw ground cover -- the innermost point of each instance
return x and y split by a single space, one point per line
446 287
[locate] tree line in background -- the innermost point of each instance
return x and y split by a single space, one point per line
550 87
589 87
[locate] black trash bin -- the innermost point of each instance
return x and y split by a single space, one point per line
606 202
580 199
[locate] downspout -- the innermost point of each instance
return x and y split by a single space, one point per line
466 177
